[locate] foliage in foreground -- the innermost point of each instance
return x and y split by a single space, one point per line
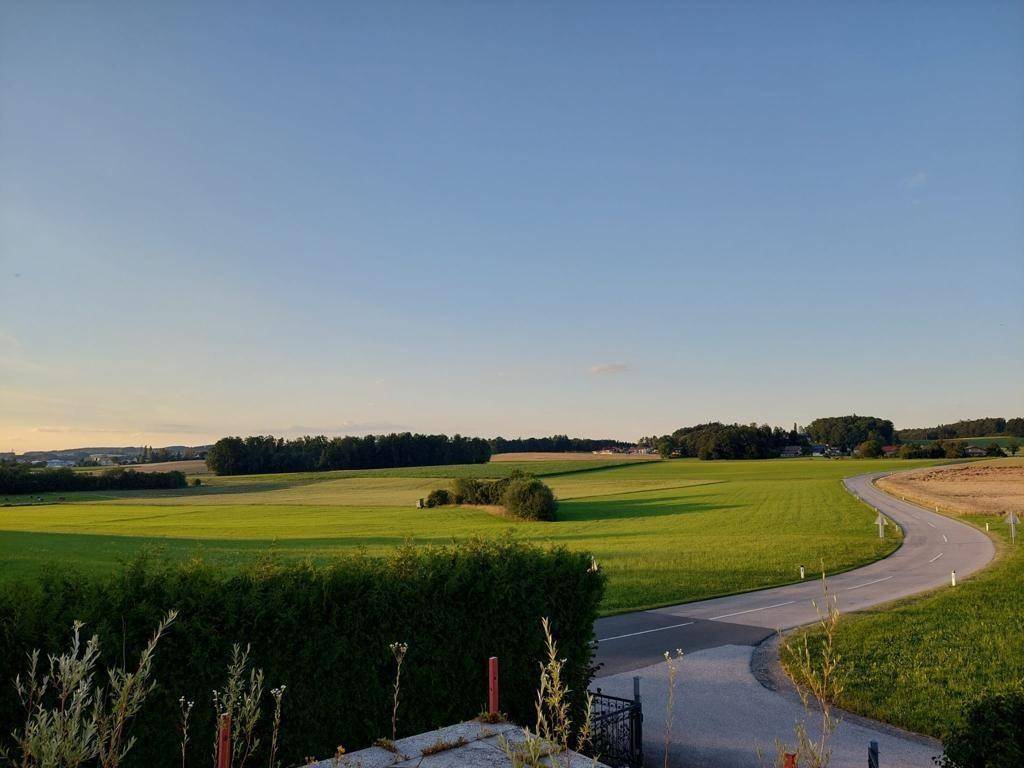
325 632
70 718
991 734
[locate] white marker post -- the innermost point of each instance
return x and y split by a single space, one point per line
1012 519
801 572
880 522
952 578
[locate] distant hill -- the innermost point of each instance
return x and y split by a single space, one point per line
79 454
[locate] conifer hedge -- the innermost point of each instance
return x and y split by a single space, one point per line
324 632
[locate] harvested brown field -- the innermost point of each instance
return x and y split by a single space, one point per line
987 488
569 456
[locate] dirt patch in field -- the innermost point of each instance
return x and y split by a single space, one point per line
987 488
567 456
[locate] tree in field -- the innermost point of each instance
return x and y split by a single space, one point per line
993 449
848 431
1012 447
954 450
869 449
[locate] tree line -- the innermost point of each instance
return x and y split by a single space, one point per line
555 443
727 441
847 432
21 478
987 427
262 454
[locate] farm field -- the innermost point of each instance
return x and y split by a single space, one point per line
567 456
665 531
917 663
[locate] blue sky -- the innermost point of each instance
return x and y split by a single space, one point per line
523 218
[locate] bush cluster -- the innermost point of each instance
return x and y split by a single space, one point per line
991 734
324 632
19 478
529 499
521 494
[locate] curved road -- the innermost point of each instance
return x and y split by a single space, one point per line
724 715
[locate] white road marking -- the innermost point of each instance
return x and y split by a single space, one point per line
643 632
752 610
945 539
869 583
930 524
935 558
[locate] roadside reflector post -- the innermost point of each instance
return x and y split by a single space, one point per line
224 741
801 572
636 688
492 685
880 522
789 760
986 526
873 755
952 578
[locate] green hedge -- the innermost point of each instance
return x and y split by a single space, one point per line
324 632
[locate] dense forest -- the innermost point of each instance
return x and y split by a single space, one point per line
21 478
988 427
728 441
266 454
847 432
559 443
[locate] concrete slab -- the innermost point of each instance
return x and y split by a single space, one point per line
480 748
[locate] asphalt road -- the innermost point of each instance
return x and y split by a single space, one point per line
719 635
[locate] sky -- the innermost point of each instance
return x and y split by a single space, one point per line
599 219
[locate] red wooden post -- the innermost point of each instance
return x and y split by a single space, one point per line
224 742
492 685
790 761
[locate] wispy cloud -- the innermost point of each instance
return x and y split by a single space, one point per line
916 180
608 369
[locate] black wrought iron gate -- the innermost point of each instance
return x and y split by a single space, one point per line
617 729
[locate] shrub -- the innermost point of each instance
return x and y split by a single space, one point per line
196 482
467 490
991 734
530 499
869 449
323 631
993 449
438 498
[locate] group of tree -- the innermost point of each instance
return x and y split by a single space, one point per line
555 443
150 455
728 441
521 494
987 427
951 449
20 478
267 454
849 432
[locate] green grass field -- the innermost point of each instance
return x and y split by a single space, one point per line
916 663
664 531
